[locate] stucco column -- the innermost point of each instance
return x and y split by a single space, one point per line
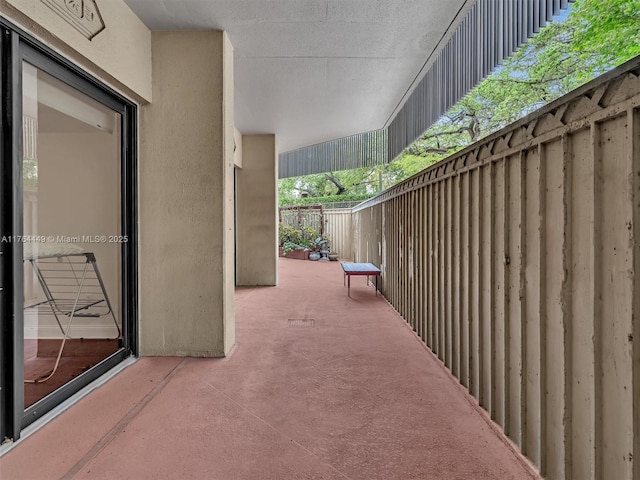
257 212
186 198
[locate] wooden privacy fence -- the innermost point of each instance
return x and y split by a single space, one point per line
302 216
337 225
517 260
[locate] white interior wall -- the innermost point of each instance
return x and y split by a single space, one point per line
79 194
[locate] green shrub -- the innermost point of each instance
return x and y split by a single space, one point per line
322 200
293 238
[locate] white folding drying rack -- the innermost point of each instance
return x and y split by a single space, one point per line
72 288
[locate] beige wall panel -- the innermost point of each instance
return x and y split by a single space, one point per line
186 295
533 311
582 306
554 325
120 54
499 326
395 252
338 227
617 291
514 261
78 195
257 212
228 196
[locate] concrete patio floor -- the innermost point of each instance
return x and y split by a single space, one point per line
319 386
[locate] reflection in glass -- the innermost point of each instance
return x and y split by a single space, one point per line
71 226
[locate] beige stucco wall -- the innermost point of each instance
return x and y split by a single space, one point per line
227 198
257 212
120 55
186 198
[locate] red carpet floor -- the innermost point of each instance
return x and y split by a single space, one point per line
319 386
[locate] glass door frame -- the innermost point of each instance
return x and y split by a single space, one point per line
17 46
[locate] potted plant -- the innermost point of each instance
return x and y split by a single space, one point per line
322 245
295 242
317 248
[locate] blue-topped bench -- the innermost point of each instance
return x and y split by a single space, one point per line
368 269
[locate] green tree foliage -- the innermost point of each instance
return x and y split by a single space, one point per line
596 36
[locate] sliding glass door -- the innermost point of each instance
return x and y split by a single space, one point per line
68 239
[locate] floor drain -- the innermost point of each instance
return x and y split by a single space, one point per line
301 322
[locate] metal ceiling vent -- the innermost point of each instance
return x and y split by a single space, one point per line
301 322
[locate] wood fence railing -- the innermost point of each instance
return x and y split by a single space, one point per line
517 261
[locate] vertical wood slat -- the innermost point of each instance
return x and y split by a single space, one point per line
430 296
412 262
554 325
436 270
633 127
534 256
465 261
597 301
541 341
474 362
422 265
566 302
616 293
456 287
442 274
448 267
397 248
415 304
406 287
486 291
582 286
515 340
409 298
498 328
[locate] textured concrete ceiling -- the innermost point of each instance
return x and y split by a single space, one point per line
315 70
